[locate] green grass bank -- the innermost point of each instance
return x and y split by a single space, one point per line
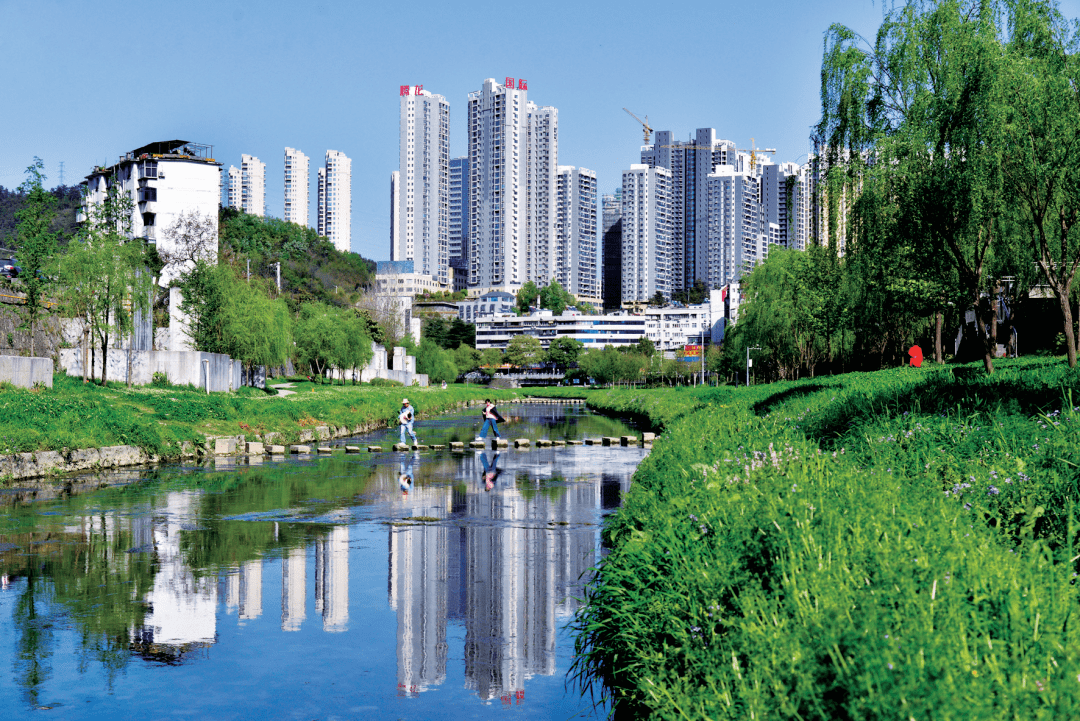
899 544
76 415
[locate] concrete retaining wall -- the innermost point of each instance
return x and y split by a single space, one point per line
180 367
25 372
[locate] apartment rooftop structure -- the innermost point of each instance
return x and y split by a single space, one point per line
163 179
595 331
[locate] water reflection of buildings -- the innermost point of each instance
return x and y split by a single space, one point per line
509 575
332 579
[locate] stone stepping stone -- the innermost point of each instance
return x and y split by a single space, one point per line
253 449
521 443
497 443
575 443
437 447
592 442
648 437
373 449
476 444
352 449
419 447
457 445
300 449
325 449
277 450
401 446
558 443
543 443
628 440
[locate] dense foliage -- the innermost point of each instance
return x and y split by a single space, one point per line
948 182
886 545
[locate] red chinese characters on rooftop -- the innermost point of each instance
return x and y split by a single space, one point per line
404 90
522 84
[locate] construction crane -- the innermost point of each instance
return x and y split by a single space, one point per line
754 150
644 124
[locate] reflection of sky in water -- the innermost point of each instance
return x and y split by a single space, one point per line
457 612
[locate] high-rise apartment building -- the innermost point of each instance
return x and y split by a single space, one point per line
737 229
423 209
395 199
335 200
575 233
459 215
513 156
253 185
646 233
297 187
611 230
233 188
690 163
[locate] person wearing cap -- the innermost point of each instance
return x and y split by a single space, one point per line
405 420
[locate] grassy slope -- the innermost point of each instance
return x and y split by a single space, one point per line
811 550
71 415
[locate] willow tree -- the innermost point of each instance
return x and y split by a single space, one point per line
36 245
1042 165
918 114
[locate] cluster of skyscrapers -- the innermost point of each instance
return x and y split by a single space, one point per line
703 210
503 215
508 213
245 188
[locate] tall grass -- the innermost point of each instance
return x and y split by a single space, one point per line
848 551
73 415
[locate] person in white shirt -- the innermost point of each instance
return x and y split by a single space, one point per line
405 420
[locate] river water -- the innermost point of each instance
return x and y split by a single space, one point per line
315 588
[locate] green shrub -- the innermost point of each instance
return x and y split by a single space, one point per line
159 380
385 383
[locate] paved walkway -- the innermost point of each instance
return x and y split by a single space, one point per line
281 389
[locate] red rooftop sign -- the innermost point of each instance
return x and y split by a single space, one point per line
403 90
522 84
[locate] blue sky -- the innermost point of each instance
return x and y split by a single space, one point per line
85 82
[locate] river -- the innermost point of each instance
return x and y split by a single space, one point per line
315 587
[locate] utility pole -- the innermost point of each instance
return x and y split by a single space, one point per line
278 264
249 269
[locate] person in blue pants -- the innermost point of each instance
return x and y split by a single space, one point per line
405 420
491 417
491 471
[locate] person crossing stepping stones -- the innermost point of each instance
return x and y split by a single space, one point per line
405 420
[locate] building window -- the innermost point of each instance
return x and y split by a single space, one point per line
147 194
149 169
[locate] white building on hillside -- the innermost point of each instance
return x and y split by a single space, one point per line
335 200
163 180
297 187
253 185
738 235
233 188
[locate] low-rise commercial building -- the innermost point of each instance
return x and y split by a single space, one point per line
496 302
595 331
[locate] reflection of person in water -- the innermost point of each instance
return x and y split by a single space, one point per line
491 471
406 474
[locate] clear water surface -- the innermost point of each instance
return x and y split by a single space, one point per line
315 588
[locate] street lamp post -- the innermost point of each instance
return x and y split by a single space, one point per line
748 349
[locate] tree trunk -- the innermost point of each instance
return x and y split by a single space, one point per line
937 337
85 352
993 324
130 343
1070 333
980 329
32 337
104 358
